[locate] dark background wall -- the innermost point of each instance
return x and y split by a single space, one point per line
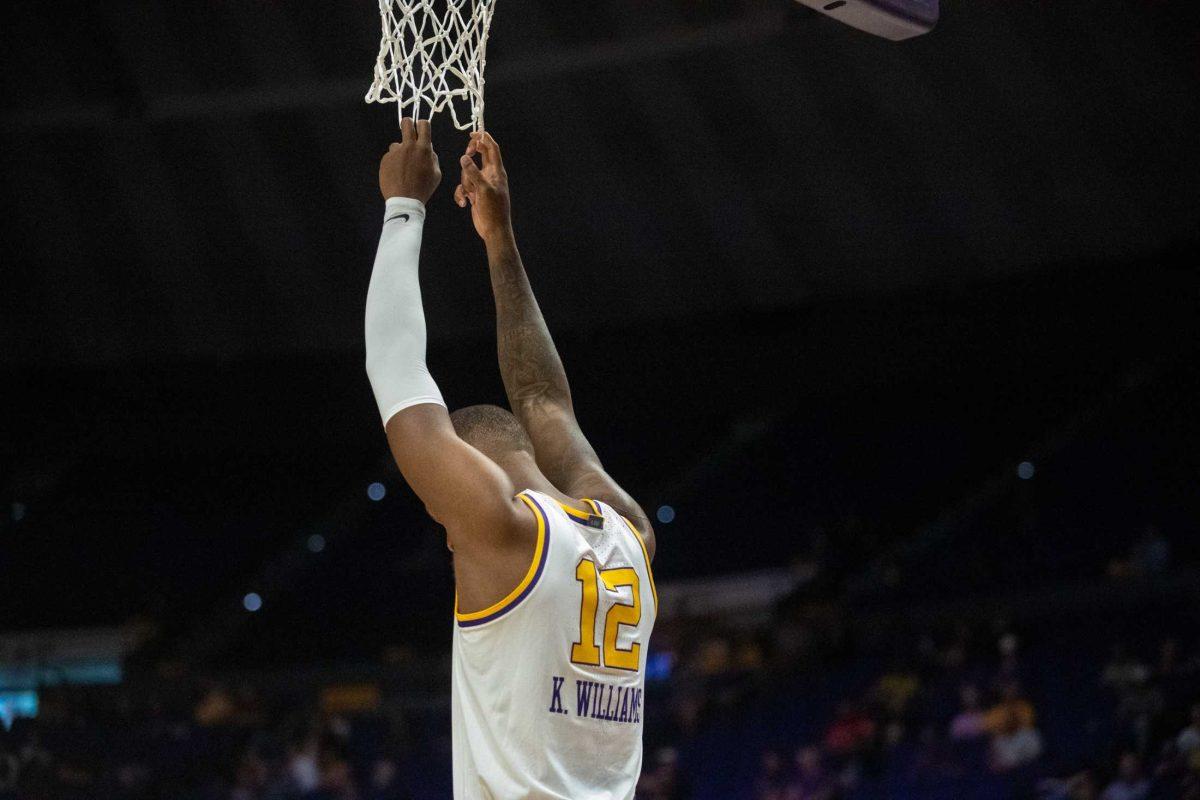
792 269
197 179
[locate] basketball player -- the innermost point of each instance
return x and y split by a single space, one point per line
555 598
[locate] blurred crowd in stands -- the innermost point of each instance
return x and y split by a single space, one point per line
953 714
213 743
814 705
946 718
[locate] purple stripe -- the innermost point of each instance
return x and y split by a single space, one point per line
593 521
915 12
545 524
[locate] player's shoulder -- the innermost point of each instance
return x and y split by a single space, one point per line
599 485
516 521
645 532
629 516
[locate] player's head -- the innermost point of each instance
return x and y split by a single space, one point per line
493 431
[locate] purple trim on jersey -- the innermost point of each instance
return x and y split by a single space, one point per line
536 575
593 521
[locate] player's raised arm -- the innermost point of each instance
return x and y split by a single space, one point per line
534 378
461 488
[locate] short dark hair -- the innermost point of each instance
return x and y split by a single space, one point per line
491 429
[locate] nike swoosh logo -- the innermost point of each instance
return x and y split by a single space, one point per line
399 216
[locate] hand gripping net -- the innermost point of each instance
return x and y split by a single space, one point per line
431 56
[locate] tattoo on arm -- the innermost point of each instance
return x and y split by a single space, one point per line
533 374
538 392
529 363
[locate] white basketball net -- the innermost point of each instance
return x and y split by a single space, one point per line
431 56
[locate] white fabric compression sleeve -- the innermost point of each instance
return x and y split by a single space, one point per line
395 319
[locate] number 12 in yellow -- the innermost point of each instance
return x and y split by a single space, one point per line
585 652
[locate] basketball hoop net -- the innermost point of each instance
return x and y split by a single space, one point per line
431 56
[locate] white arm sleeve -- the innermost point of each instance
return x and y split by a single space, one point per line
395 319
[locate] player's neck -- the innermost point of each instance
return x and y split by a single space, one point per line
522 470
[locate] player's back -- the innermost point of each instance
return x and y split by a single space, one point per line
548 683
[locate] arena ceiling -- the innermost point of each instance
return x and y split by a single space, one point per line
197 179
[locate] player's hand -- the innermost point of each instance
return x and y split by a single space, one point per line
410 167
485 188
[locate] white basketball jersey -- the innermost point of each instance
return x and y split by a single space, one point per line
548 683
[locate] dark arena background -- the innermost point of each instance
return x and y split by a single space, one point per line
897 341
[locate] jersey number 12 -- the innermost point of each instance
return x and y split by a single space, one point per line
585 652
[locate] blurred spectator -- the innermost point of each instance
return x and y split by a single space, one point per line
1170 664
1172 775
337 780
935 759
1188 740
1015 740
811 781
10 773
247 707
1013 749
1139 707
748 656
687 710
851 732
303 773
250 779
895 690
1130 783
133 782
1150 555
714 657
970 722
772 780
385 781
1152 552
1123 670
1008 647
1012 712
216 707
665 781
1082 786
